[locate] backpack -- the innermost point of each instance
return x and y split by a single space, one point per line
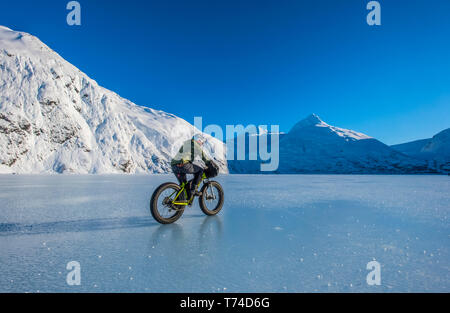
212 170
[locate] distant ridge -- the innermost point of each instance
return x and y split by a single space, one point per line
313 146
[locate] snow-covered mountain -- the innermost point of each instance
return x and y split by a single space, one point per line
436 150
55 119
313 146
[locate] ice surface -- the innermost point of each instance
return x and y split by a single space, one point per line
285 233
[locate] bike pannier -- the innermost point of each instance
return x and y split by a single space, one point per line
212 170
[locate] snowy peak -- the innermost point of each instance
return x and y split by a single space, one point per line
311 120
10 39
313 123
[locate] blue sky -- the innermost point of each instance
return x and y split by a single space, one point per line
262 62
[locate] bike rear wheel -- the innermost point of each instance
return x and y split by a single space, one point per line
212 198
161 205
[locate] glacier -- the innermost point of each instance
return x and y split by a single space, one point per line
276 233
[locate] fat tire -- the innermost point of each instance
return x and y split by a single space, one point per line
202 199
154 205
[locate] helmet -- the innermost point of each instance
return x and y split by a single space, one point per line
200 138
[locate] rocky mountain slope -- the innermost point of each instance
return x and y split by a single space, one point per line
55 119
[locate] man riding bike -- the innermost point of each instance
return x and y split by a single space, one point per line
170 199
190 159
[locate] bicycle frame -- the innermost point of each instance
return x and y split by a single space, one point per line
183 189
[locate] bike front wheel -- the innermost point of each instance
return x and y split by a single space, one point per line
212 198
161 205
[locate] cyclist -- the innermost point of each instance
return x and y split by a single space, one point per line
190 159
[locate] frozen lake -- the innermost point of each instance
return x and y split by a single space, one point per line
297 233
